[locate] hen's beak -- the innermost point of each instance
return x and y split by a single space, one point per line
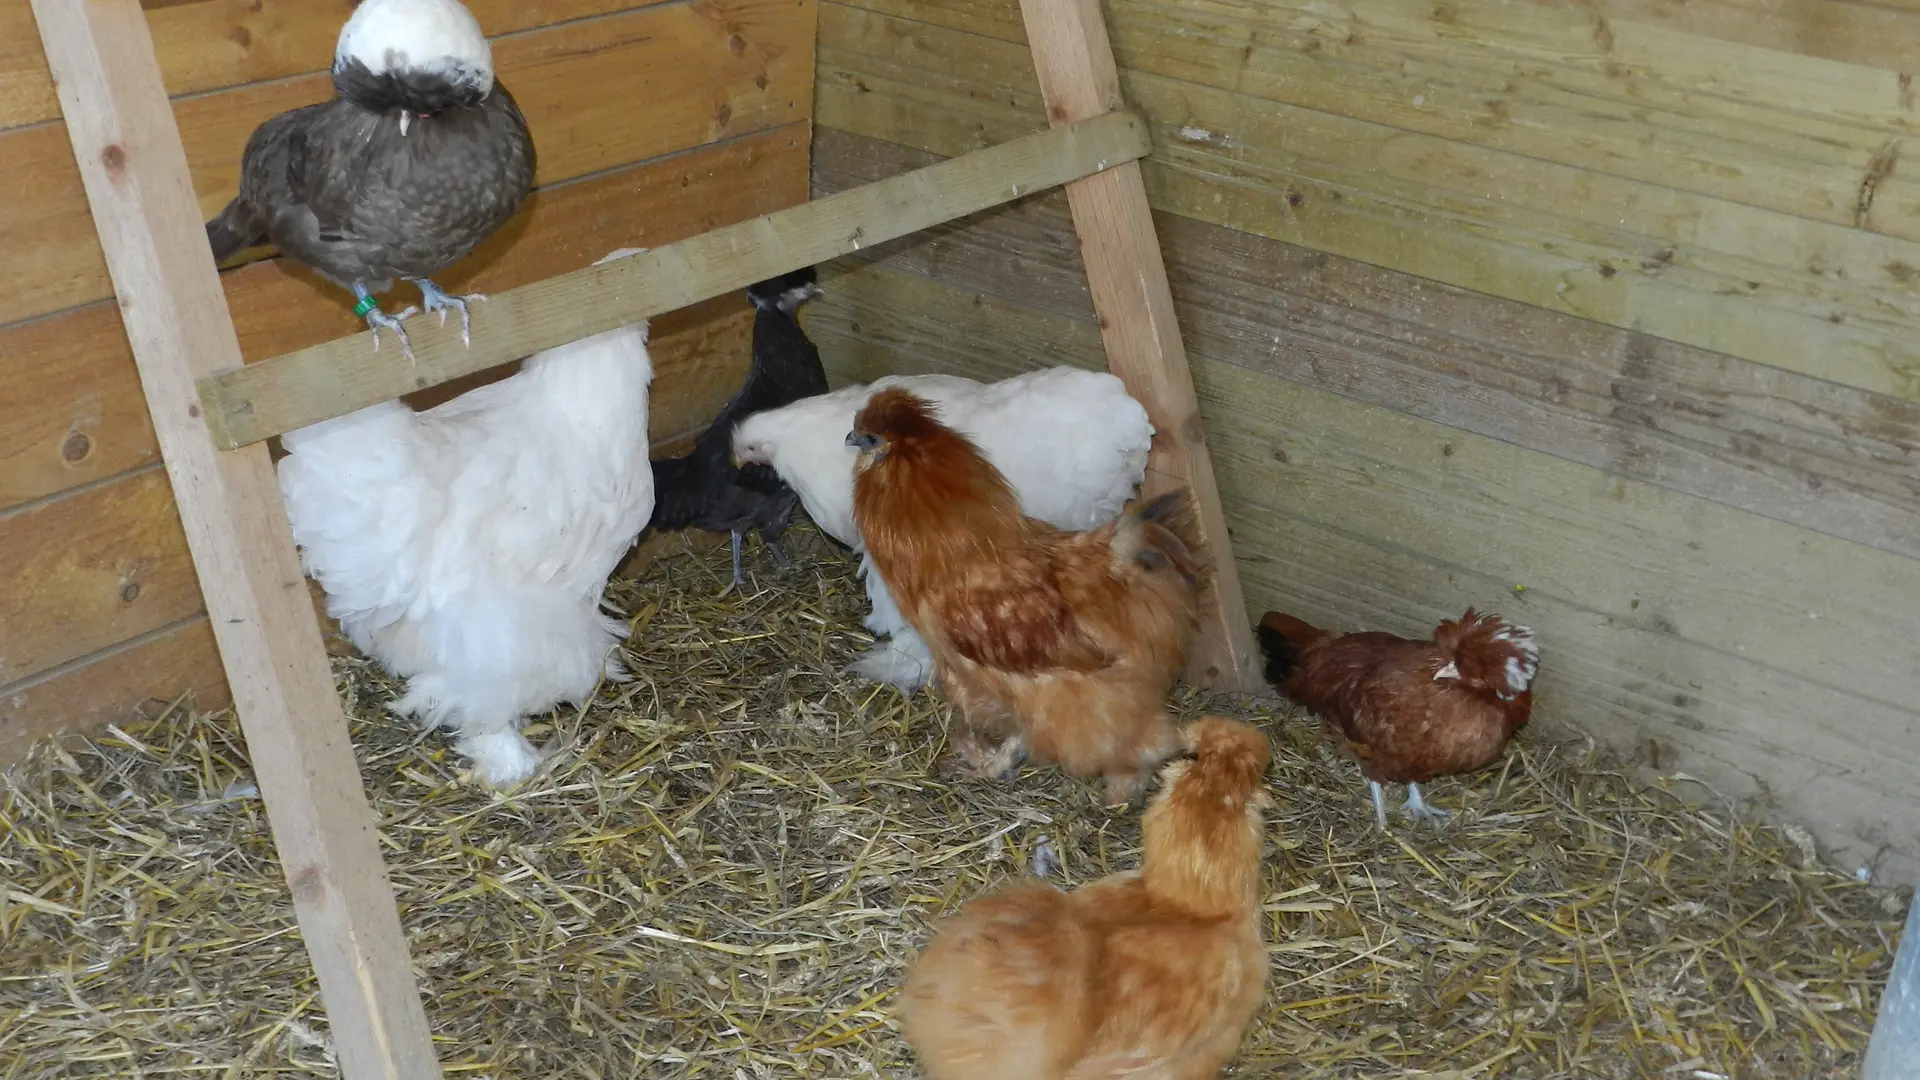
1451 671
861 442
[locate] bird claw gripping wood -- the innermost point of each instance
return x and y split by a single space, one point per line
437 299
369 309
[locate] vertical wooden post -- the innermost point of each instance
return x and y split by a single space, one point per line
1128 279
135 172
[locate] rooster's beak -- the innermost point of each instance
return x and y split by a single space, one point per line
1451 671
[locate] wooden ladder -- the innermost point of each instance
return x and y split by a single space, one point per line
212 414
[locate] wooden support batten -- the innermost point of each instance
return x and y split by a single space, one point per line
1127 278
134 170
247 404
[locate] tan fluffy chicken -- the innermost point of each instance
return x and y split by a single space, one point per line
1409 711
1062 645
1150 974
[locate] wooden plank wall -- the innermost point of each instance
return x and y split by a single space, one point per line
1600 314
653 121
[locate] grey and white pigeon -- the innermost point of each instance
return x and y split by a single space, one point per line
420 156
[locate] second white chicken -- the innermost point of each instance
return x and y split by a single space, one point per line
466 548
1072 442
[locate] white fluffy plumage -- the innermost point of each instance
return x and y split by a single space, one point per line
1072 442
438 37
466 548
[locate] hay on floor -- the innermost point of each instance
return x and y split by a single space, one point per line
725 870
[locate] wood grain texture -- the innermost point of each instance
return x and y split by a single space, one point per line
1818 297
106 564
131 160
1127 279
131 681
1760 656
244 405
74 374
207 45
1801 450
1558 81
1874 35
707 72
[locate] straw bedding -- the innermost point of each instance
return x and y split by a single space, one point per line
726 870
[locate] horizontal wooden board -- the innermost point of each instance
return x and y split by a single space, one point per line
110 561
128 682
255 402
207 45
1813 297
707 72
73 374
1882 36
1561 82
102 565
1766 657
1801 450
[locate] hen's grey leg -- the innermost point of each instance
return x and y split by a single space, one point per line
739 579
1379 802
1417 806
779 554
437 299
369 309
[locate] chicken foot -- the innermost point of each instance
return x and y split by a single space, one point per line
1005 761
437 299
1417 806
1421 810
777 553
369 309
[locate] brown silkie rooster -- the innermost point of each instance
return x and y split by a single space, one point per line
1409 711
1057 644
1150 974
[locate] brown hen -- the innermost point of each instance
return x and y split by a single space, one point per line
1409 711
1150 974
1057 644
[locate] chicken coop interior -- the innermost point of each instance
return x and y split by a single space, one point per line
1600 315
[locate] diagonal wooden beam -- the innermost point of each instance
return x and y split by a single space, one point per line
135 172
1128 281
246 405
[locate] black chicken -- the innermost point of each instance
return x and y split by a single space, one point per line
706 489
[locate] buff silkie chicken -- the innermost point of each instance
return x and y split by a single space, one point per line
1062 645
1409 711
465 548
1072 442
1150 974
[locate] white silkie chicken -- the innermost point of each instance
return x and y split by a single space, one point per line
1072 442
466 548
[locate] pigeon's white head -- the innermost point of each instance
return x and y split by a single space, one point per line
435 38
